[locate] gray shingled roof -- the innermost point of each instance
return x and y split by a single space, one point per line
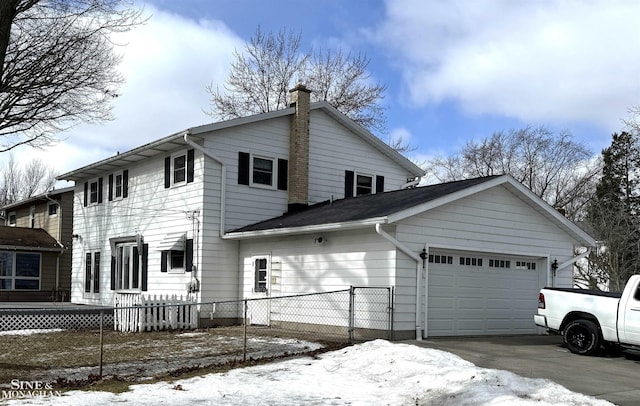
363 207
28 238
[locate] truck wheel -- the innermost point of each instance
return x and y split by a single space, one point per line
581 337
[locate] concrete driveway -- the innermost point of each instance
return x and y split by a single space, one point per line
613 378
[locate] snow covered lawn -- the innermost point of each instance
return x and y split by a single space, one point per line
374 373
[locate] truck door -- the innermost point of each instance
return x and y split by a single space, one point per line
629 329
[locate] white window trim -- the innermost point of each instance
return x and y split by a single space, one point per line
274 174
119 271
355 182
254 258
115 176
97 183
173 158
176 270
95 271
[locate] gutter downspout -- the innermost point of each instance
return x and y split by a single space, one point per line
416 258
58 240
223 179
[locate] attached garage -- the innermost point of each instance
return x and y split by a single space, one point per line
462 258
471 293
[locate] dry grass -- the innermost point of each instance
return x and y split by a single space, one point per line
72 358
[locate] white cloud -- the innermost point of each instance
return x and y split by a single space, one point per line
544 61
166 63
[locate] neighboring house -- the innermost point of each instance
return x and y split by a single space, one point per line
38 232
221 212
29 270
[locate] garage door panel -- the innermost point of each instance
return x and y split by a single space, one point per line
481 300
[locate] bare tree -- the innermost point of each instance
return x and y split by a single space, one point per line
271 65
17 183
555 167
57 65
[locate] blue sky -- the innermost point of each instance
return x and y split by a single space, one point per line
455 70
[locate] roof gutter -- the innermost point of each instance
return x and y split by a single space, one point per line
22 248
418 260
305 229
223 179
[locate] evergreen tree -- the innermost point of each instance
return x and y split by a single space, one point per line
613 214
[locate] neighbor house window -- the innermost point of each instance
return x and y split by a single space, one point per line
118 185
19 271
127 272
179 168
32 216
52 209
92 272
117 191
11 220
364 185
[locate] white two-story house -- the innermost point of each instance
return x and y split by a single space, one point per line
305 200
153 219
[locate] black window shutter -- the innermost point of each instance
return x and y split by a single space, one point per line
348 184
110 192
243 168
86 193
125 183
190 166
163 261
96 272
379 184
113 273
283 174
145 261
167 172
99 190
189 255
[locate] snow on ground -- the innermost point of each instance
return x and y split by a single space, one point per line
29 332
374 373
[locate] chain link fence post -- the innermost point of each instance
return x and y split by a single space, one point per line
244 322
101 342
352 296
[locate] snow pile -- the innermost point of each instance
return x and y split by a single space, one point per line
376 372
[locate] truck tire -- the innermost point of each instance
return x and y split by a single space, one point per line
582 337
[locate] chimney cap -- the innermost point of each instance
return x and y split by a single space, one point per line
300 87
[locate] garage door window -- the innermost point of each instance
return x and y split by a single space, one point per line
499 263
526 265
470 261
440 259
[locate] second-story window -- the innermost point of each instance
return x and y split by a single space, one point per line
118 185
179 168
93 192
360 184
262 171
32 216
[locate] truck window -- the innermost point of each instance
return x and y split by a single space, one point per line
636 296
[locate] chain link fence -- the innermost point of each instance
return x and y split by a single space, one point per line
79 346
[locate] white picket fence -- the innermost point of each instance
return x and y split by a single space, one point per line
135 313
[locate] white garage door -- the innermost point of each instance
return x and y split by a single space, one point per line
482 294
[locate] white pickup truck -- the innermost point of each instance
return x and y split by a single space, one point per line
589 319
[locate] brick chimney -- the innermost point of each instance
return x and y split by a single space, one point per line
299 149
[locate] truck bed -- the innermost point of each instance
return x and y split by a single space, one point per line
592 292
